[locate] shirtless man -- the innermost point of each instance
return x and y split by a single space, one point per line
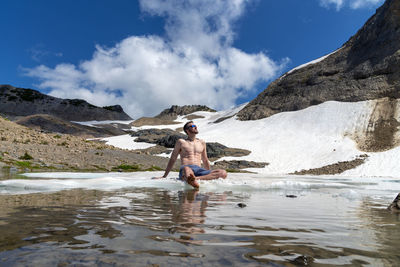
192 151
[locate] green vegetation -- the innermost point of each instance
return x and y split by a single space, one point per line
100 168
153 168
24 164
26 156
63 144
126 167
57 136
44 143
232 170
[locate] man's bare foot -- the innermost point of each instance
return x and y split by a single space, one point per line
191 180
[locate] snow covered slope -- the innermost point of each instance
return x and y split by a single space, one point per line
314 137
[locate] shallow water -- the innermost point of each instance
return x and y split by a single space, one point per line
116 219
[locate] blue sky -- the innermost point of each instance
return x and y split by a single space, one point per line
150 54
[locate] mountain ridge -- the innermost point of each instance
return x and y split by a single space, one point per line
366 67
16 102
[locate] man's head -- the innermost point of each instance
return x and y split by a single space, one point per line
189 127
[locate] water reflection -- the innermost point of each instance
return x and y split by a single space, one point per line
7 173
384 227
155 226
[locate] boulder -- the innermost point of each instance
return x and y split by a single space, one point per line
395 206
239 164
162 137
217 150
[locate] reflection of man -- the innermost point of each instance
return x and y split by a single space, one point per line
192 151
189 213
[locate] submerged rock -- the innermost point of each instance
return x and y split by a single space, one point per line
395 206
303 260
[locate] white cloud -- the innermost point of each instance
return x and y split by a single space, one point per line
195 63
354 4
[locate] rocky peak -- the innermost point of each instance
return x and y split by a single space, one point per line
116 108
366 67
172 112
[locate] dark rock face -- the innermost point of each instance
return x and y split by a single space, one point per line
16 102
47 123
217 150
395 206
366 67
162 137
335 168
239 164
155 150
173 112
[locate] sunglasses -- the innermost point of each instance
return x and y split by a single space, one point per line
192 126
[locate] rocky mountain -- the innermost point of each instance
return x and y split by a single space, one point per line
366 67
173 112
17 102
169 115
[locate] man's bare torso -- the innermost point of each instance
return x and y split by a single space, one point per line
191 151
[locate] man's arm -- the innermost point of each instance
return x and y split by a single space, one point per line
204 157
174 156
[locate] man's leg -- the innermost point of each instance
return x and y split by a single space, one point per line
188 174
214 174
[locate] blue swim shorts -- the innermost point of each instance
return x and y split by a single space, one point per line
198 171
